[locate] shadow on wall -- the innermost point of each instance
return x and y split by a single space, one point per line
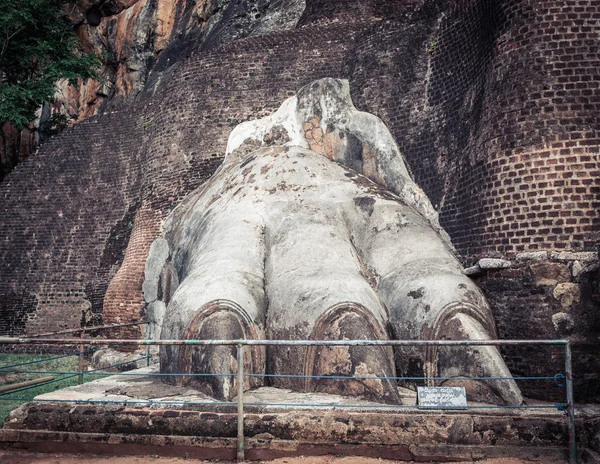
15 309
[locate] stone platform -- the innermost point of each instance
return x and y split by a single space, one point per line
293 424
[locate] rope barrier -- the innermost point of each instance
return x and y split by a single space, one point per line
368 377
293 376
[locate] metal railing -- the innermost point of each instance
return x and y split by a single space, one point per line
88 329
240 344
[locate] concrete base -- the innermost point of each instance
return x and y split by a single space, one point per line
59 422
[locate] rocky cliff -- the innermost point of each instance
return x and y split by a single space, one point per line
137 37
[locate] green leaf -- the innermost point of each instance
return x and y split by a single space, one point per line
38 46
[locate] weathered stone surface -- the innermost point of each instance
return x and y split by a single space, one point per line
415 433
155 312
55 418
322 118
563 323
157 257
587 256
579 270
107 358
279 14
473 271
475 137
548 273
493 263
285 243
532 256
522 304
132 35
568 294
576 269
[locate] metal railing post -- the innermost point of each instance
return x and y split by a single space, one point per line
570 405
240 404
80 378
148 336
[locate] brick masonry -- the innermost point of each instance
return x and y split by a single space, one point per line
556 294
494 105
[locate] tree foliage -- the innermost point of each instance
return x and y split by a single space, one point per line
38 46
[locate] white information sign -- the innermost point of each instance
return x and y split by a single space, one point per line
442 397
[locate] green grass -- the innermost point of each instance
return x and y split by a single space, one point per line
70 364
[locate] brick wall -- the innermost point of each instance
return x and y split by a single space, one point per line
539 144
59 209
123 301
494 105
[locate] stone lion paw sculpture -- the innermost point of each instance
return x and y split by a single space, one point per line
313 229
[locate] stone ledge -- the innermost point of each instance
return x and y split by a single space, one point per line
257 449
409 434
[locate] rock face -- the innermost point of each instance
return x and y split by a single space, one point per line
138 38
284 243
140 41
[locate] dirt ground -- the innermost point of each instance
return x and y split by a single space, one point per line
18 457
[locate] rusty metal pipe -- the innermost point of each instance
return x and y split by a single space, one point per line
240 403
28 383
148 336
81 353
76 341
570 405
